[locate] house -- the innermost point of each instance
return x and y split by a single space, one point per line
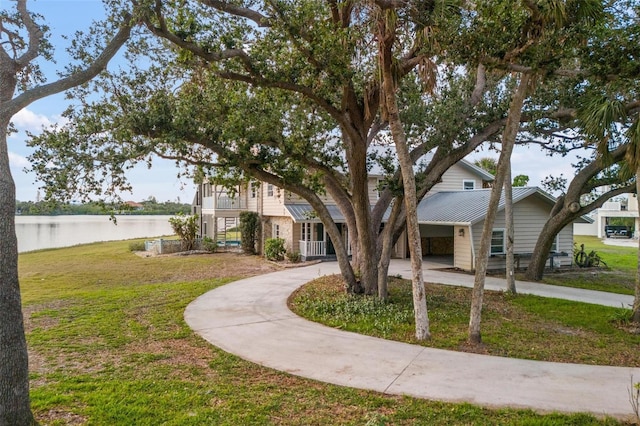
132 205
451 218
625 206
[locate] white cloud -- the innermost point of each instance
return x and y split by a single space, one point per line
29 120
17 160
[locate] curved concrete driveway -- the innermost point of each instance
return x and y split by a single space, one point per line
250 318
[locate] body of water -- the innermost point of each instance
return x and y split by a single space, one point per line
40 232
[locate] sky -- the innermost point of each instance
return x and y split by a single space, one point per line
65 17
161 181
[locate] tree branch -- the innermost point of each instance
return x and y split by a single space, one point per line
223 6
75 79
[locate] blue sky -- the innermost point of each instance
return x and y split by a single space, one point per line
67 16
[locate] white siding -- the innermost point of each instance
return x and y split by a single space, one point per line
462 252
529 218
454 177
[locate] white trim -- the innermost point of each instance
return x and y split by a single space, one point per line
306 230
502 230
466 181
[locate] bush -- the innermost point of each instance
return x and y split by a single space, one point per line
274 249
209 245
249 228
186 228
137 246
293 256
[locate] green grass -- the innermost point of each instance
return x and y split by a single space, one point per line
522 326
617 277
109 346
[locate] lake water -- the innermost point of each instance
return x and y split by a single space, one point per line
39 232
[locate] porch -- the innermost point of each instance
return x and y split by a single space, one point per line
310 250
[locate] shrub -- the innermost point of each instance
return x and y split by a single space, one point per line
293 256
209 245
274 249
186 228
249 228
137 246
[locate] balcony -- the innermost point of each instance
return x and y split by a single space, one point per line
228 203
223 203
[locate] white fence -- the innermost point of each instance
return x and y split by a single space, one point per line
168 246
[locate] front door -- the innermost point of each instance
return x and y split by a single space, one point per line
322 236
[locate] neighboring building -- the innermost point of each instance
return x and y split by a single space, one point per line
627 208
451 218
134 205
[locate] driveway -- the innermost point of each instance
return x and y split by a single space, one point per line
250 318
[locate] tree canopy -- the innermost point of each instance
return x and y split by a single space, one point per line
290 93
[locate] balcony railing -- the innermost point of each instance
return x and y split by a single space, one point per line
313 248
227 203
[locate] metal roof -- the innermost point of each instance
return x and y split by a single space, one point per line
468 207
441 208
305 213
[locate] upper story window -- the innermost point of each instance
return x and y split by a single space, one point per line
468 185
269 190
497 241
253 189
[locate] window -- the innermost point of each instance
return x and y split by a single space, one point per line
275 231
497 241
468 185
253 188
269 190
556 244
306 232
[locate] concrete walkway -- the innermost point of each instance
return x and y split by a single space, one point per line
250 318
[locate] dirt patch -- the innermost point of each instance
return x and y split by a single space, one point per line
66 417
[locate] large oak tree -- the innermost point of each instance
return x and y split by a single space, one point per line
23 41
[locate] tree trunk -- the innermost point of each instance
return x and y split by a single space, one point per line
15 406
482 260
635 315
367 248
508 217
388 238
535 269
383 264
408 180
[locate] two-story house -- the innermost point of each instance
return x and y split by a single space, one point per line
451 218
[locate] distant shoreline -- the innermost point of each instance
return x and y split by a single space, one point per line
99 214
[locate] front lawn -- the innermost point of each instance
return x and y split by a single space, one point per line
521 326
109 346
